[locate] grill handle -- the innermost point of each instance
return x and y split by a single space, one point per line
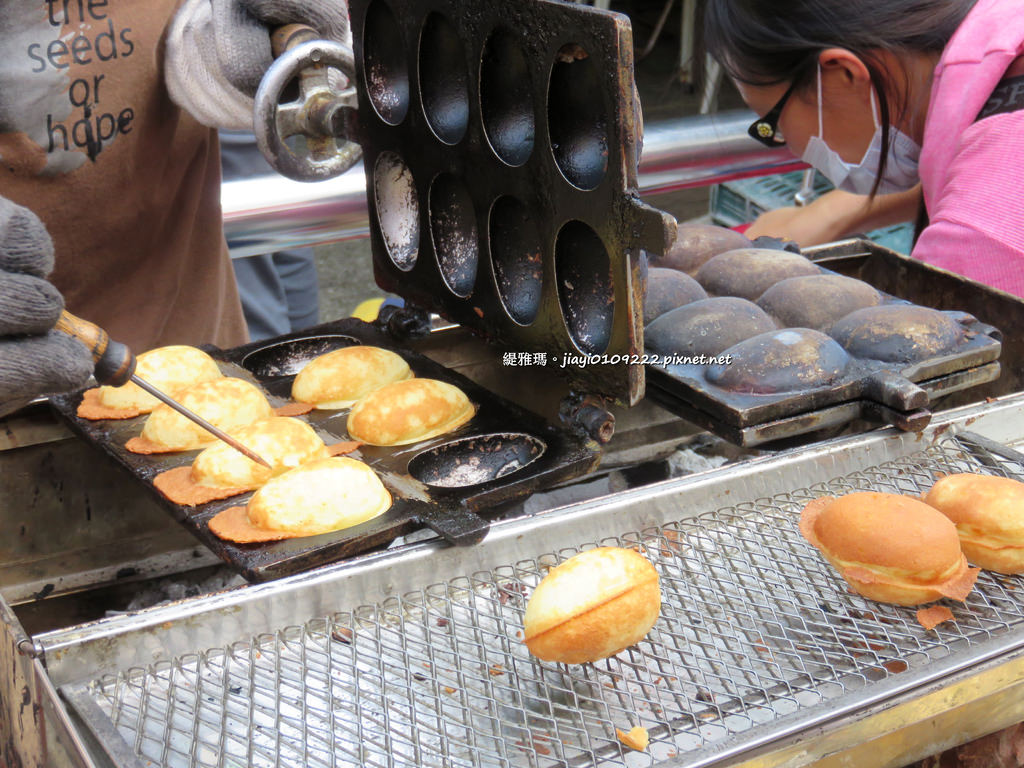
453 522
895 391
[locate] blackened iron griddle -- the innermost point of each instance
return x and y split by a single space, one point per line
902 395
501 142
443 483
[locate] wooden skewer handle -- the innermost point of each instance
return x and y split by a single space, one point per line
287 37
115 363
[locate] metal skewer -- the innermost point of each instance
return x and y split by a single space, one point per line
115 365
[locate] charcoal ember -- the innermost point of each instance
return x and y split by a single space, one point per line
898 333
787 360
817 301
706 327
749 272
696 243
668 289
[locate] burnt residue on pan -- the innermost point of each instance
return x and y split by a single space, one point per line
398 209
517 258
475 460
384 64
585 290
479 467
706 327
506 99
444 79
577 122
453 229
287 358
780 361
898 333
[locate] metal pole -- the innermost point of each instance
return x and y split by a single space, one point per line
271 213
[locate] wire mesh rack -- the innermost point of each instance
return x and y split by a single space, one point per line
755 629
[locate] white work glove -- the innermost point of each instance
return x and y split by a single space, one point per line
219 50
34 359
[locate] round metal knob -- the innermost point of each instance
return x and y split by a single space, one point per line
326 117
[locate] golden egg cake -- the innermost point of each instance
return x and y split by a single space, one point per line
988 512
888 547
592 606
220 471
169 369
340 378
282 441
408 411
227 403
319 497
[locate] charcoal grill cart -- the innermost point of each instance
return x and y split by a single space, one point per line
500 145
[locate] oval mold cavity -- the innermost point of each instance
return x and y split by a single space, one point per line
398 209
385 68
453 229
506 97
516 254
577 122
583 274
475 460
286 358
444 79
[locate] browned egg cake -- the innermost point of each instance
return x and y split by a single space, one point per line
339 378
322 496
409 411
816 301
988 512
169 369
592 606
227 403
888 547
749 272
282 441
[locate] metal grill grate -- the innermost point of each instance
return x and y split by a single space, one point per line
755 626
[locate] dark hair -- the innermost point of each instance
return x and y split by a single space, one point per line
764 42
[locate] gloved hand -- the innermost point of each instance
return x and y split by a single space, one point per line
218 51
34 359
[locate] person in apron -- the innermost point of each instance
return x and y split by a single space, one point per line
110 171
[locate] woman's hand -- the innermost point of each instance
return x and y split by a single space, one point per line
835 215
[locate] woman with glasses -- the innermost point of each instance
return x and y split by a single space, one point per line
884 95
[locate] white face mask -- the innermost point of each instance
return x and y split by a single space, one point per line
900 168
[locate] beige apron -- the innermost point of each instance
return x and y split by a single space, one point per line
126 182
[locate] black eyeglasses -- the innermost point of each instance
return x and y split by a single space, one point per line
766 129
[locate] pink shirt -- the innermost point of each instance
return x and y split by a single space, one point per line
972 172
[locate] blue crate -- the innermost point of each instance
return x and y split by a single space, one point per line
739 202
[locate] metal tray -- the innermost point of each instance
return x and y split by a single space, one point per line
758 639
871 390
412 473
501 143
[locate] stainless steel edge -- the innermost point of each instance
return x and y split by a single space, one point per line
951 710
141 638
271 213
107 738
34 726
853 706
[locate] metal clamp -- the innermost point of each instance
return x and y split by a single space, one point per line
326 117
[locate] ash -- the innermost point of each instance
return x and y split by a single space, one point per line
180 587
